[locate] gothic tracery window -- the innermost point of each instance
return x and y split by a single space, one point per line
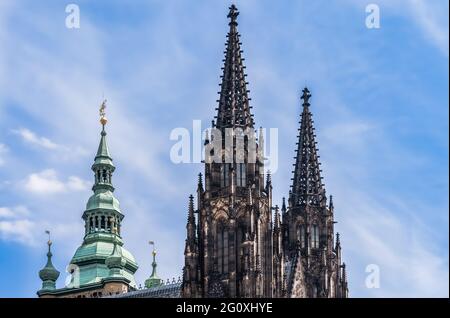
224 175
315 236
301 235
241 175
222 249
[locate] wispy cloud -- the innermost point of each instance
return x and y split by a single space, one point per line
432 17
15 225
42 142
33 139
47 182
14 212
349 73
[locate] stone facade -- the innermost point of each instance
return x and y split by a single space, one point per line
238 244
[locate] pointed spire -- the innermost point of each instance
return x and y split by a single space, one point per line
103 166
191 223
191 216
344 273
338 240
277 222
269 178
153 280
103 151
49 274
283 206
234 108
307 188
200 181
331 203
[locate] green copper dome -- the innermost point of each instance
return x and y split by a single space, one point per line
49 274
103 200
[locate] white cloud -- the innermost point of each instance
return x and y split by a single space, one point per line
433 20
63 152
32 138
14 212
380 232
47 182
17 230
18 224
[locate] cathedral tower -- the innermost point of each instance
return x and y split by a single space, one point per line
101 265
229 236
313 259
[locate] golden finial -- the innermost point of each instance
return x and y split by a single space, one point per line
49 242
103 119
153 244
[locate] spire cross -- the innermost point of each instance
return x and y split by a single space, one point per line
233 14
306 96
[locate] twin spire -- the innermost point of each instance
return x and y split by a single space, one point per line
234 108
307 188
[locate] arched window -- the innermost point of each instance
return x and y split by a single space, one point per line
241 175
301 235
315 236
224 175
222 249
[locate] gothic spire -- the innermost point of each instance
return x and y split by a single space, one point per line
283 206
277 221
234 108
200 182
191 223
307 188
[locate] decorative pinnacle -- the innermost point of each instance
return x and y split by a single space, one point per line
103 119
191 209
233 14
306 96
200 182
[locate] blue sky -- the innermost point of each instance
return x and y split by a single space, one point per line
380 104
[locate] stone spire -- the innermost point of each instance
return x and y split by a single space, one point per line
49 274
283 207
307 188
191 226
234 108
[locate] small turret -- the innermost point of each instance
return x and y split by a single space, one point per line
49 274
115 262
153 280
